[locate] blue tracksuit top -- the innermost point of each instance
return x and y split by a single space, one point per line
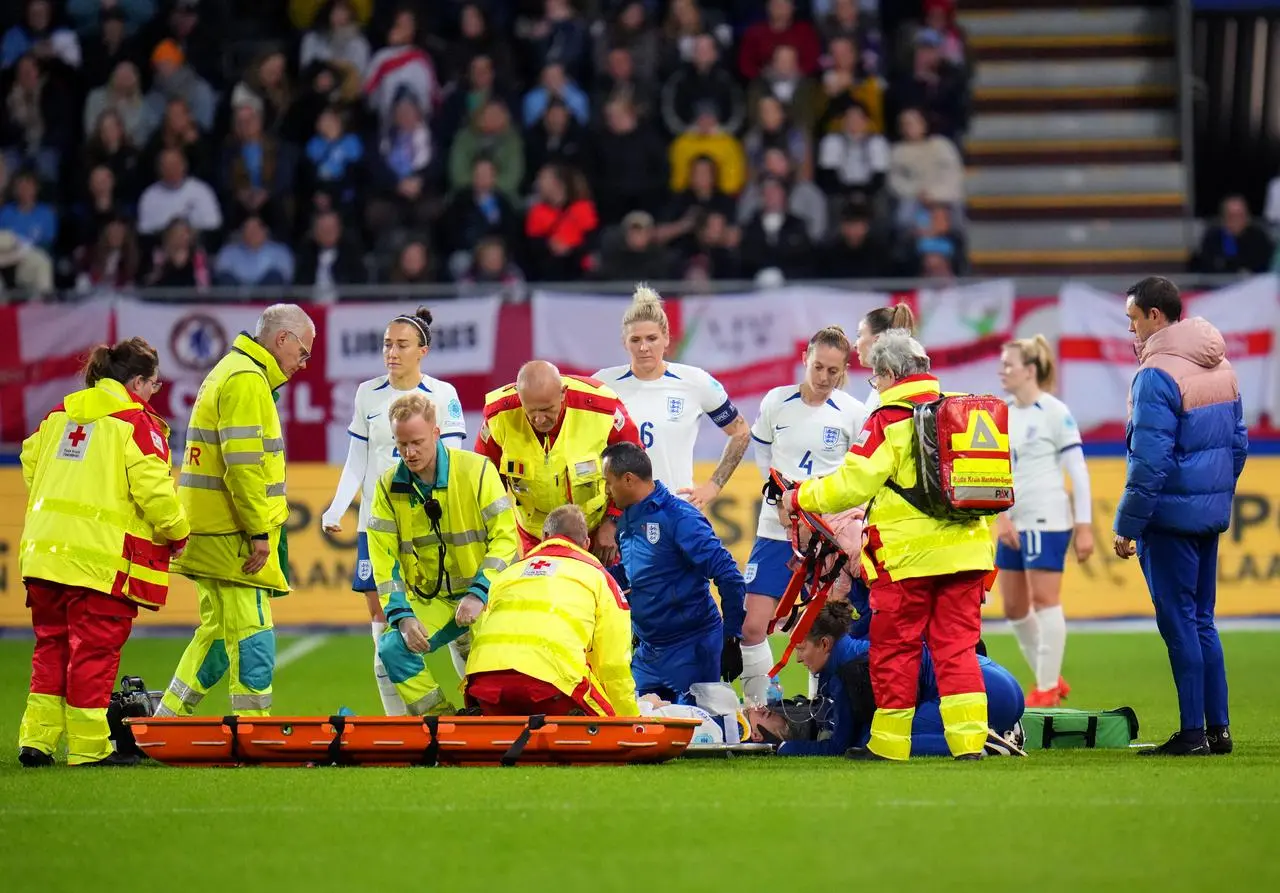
669 552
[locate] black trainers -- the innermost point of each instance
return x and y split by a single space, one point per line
1187 743
1219 738
865 754
31 758
115 759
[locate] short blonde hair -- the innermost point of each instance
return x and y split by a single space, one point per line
411 406
646 306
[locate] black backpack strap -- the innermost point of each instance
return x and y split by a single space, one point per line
512 755
232 722
431 755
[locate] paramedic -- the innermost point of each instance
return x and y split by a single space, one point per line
556 639
926 575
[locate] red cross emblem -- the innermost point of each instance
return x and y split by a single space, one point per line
77 435
540 565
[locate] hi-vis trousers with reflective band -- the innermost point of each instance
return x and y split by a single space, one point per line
235 634
945 612
79 634
428 683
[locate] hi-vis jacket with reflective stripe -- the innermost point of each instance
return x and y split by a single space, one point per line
478 529
563 467
232 481
902 542
558 616
101 509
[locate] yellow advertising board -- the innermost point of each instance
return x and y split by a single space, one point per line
1248 572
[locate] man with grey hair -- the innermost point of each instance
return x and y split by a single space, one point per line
927 573
556 638
233 488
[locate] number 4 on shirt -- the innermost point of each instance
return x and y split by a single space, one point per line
806 463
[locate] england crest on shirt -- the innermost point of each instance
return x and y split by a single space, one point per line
652 532
675 408
830 437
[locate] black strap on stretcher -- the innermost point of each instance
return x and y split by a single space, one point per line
810 585
431 755
233 725
513 753
335 755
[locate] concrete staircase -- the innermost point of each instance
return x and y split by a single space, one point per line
1074 151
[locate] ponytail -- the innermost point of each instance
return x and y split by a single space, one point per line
832 336
882 319
833 620
1037 352
128 359
646 306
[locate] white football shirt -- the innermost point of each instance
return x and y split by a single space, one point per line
1038 436
668 412
804 441
370 423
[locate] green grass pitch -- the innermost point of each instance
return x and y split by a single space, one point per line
1071 821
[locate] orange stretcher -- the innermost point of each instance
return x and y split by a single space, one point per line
410 740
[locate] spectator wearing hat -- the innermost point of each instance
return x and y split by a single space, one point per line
780 28
195 28
172 78
253 258
632 254
699 85
630 167
709 139
933 85
25 270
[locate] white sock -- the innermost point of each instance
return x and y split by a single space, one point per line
392 703
1053 643
757 661
1027 631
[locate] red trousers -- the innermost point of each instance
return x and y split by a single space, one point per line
79 635
508 693
943 612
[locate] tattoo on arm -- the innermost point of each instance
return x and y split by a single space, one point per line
739 437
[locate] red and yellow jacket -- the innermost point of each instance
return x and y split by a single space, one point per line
544 472
101 506
558 616
902 542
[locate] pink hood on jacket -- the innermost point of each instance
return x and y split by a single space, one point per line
1193 353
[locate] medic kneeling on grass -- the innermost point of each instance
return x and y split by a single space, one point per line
556 638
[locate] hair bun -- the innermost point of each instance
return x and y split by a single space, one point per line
423 314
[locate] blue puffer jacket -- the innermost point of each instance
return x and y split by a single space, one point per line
1186 439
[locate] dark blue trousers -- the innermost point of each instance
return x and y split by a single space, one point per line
1181 574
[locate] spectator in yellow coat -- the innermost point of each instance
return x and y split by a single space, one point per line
708 139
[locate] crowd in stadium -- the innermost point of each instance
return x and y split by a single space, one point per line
189 143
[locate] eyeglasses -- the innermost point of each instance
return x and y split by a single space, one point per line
156 384
874 381
306 354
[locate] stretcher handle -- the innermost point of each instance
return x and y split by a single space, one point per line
513 753
431 755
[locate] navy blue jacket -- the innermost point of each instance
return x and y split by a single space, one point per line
669 552
1186 438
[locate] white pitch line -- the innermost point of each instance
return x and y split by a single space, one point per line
299 650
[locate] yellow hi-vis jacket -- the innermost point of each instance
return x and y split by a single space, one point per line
476 524
902 542
559 617
232 480
541 477
101 509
